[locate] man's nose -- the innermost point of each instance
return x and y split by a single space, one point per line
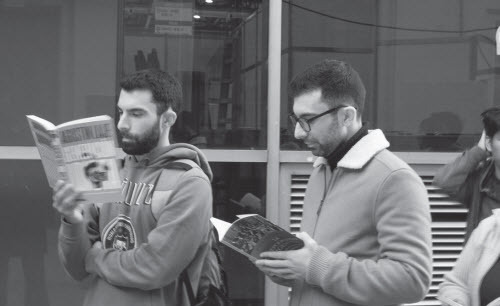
299 132
123 124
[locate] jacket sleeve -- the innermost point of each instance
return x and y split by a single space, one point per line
402 272
169 248
74 240
452 176
455 282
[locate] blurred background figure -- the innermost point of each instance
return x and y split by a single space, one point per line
473 178
440 132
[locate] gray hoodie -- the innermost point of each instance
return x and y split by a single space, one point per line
160 228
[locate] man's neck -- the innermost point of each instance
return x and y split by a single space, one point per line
164 140
497 171
334 157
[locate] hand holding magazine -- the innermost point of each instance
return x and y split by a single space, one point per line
81 152
253 234
448 301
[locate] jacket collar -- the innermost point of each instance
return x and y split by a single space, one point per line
362 152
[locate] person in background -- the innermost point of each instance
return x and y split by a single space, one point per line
132 252
473 178
366 218
475 277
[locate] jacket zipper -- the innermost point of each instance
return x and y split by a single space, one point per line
325 191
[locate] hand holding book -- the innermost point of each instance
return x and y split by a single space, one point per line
67 201
286 266
447 301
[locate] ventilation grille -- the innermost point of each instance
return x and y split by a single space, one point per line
448 229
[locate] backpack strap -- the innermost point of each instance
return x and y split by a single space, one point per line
184 277
165 180
179 164
164 184
222 274
213 293
183 164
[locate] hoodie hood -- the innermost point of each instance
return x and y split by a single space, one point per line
159 157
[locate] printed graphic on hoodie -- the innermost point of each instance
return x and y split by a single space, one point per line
137 193
119 234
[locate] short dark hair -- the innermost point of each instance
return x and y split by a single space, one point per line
491 121
166 89
336 80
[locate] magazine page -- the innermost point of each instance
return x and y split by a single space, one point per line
43 134
221 226
253 234
89 152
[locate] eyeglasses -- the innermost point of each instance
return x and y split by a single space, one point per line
305 124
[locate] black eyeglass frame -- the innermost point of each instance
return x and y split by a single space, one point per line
307 122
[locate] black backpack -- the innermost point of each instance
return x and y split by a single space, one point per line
212 288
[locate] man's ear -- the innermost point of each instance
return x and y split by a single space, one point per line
168 118
349 115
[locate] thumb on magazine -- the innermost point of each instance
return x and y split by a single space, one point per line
306 238
77 215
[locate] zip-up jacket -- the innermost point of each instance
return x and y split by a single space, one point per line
160 228
370 217
464 180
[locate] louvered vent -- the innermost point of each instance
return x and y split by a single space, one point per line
299 183
448 228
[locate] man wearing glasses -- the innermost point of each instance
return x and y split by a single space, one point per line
366 219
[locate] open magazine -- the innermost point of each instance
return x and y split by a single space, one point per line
253 234
81 152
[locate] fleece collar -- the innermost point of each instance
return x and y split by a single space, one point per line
364 150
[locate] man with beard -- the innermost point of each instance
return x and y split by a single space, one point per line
366 219
132 252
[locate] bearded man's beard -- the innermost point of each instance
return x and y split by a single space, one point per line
140 144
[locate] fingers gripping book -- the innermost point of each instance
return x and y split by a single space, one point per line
253 234
81 152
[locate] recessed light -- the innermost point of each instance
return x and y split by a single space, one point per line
196 16
209 1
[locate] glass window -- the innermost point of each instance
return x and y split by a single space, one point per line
58 62
429 67
218 51
30 270
239 188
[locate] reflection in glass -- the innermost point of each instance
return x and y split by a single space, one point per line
239 188
28 233
217 50
429 67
